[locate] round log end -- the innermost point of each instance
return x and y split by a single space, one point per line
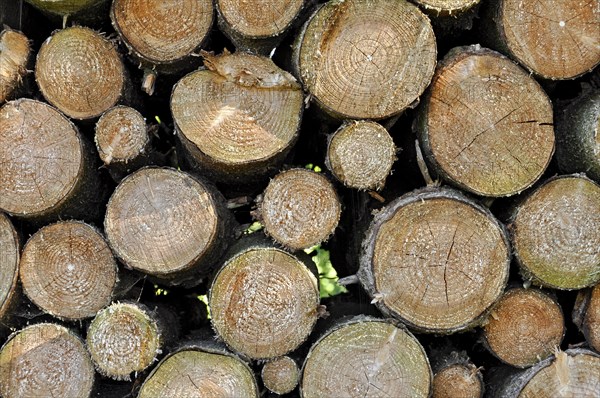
80 72
63 7
280 375
68 270
447 7
458 381
41 155
121 135
14 54
366 59
122 339
9 264
264 302
45 360
300 208
556 231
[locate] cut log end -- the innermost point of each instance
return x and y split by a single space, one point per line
556 233
436 260
41 156
365 355
68 270
162 222
14 54
555 40
447 7
587 318
53 359
162 32
526 326
300 208
63 7
486 124
264 302
366 59
80 72
9 265
280 375
458 381
121 135
193 372
123 339
361 155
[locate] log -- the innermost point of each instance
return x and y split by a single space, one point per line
485 124
15 52
47 168
363 59
251 111
586 315
45 360
299 208
366 357
446 7
264 301
255 26
554 40
68 8
200 370
578 136
125 338
280 375
68 270
555 233
360 154
167 224
163 35
80 72
436 260
524 328
9 269
455 376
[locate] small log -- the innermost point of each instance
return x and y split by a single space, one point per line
14 55
255 26
554 40
68 270
299 208
555 233
455 376
361 154
163 34
366 59
486 125
435 260
45 360
525 327
264 301
578 136
280 375
251 111
203 371
124 338
167 224
363 357
586 315
80 72
447 7
9 269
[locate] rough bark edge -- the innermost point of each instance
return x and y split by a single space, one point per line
579 315
21 70
14 292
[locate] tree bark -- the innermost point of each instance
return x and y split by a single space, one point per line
586 315
15 53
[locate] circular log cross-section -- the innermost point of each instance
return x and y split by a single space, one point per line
447 7
361 154
458 381
525 327
9 265
162 32
41 155
486 125
14 54
280 375
553 39
300 208
80 72
63 7
123 338
366 357
556 231
435 260
198 373
68 270
121 135
366 59
239 116
163 222
264 302
45 360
